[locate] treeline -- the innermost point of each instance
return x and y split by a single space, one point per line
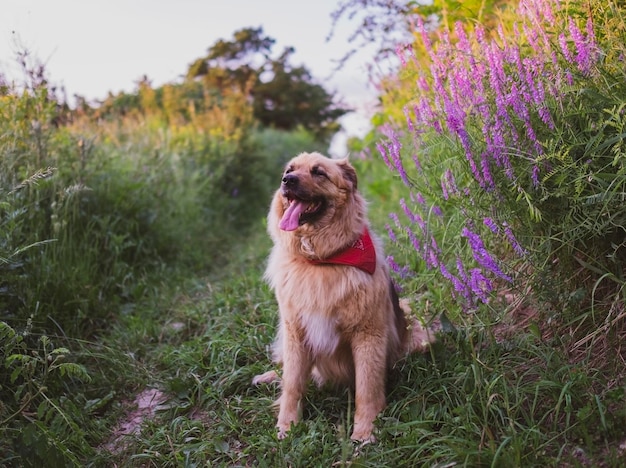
280 95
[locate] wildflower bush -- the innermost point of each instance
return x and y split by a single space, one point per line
512 150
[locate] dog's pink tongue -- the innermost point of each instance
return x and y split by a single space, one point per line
291 219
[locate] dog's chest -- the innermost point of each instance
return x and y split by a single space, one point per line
320 333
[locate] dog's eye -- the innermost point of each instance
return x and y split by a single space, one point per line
317 171
289 169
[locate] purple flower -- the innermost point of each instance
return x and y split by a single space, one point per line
522 252
480 285
404 272
565 48
409 121
382 149
583 56
413 217
400 51
461 269
535 175
463 286
486 172
434 246
418 165
393 147
391 233
482 256
444 190
418 198
460 287
422 84
431 257
448 184
396 220
491 224
417 246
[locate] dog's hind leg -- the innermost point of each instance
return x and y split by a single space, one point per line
277 356
419 337
266 378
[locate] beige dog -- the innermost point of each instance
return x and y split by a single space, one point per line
340 320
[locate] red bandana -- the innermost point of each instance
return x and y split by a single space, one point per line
360 254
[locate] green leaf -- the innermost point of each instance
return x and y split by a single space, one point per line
74 370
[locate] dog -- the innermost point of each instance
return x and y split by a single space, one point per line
340 318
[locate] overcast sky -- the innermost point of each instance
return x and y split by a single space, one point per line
92 47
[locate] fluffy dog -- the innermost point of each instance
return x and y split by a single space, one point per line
340 318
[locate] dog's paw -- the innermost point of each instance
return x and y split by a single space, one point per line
284 429
363 436
266 378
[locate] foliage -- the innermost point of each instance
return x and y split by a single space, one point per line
97 218
144 233
119 200
472 401
516 137
282 96
38 378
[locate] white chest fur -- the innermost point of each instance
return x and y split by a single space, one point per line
321 333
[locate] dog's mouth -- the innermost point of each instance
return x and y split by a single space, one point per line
300 212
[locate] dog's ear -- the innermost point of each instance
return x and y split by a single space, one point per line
348 171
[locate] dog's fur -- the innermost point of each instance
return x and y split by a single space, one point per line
338 324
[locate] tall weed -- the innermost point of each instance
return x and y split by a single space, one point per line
37 426
510 153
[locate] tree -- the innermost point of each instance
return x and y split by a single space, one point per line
283 96
387 23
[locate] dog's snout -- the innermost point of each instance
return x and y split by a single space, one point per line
290 180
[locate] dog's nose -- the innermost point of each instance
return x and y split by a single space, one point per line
290 180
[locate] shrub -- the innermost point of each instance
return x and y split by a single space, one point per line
121 200
37 377
513 148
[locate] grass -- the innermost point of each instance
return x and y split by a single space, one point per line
472 401
490 393
481 397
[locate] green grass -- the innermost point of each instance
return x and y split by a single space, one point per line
473 401
490 394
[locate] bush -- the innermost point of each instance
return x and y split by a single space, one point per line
38 376
105 204
513 153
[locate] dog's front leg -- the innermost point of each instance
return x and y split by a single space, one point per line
370 367
297 363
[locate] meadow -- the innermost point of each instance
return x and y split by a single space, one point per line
132 247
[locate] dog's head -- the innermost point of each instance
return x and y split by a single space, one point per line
314 189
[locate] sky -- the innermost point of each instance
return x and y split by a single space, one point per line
91 47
